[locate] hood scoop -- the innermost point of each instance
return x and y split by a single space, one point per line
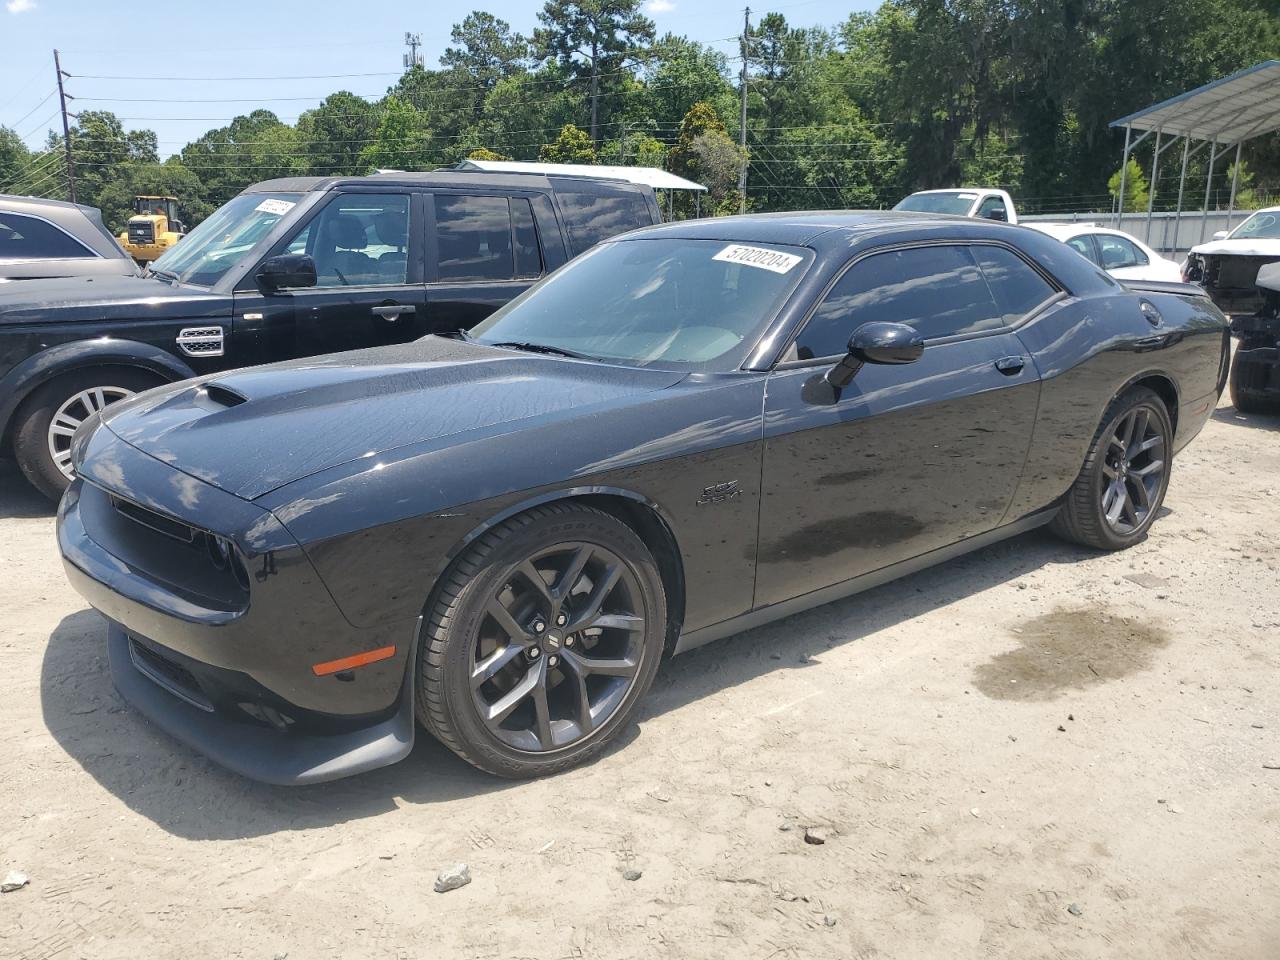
222 395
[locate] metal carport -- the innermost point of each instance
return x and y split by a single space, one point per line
1220 115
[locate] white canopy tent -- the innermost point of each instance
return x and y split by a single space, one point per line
649 176
1220 115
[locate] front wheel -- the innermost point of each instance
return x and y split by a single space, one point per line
541 641
49 418
1118 493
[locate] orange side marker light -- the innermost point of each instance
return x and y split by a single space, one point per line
350 663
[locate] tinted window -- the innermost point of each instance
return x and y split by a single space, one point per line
938 290
26 238
665 301
1117 252
359 239
593 212
528 256
1084 247
1016 287
957 203
474 238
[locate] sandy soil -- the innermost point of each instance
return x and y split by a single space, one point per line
1030 752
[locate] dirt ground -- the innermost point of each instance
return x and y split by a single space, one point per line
1031 752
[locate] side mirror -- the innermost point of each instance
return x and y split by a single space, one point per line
998 213
877 343
1221 234
287 270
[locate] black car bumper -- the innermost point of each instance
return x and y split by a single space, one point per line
1257 371
224 655
289 758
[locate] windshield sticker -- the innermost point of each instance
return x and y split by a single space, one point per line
272 205
759 257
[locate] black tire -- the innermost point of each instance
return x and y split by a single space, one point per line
1084 517
461 612
1244 400
31 437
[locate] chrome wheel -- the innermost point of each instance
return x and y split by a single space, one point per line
1133 469
73 412
558 648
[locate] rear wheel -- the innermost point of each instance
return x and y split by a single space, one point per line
542 640
1121 487
1244 399
48 419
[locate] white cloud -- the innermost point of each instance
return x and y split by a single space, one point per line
653 6
22 6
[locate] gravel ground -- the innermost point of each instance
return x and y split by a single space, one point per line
1034 751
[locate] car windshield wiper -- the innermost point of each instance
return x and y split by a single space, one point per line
542 348
164 275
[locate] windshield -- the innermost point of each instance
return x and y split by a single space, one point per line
957 202
654 301
1263 225
205 255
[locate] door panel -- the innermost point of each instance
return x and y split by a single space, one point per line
906 460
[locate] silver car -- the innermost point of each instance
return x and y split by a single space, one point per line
51 238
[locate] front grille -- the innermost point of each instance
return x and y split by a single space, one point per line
142 232
154 521
169 674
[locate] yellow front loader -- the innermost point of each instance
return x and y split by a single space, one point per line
153 228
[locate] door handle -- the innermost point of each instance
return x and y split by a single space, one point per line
392 311
1011 365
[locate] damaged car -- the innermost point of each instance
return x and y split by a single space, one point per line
1227 267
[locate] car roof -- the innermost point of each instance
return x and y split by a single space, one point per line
36 204
808 228
462 179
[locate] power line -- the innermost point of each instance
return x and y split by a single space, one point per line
309 76
52 93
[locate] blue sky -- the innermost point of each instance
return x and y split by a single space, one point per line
266 38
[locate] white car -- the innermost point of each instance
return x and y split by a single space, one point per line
1227 266
1114 251
980 202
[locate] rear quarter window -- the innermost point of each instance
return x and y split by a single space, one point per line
1015 286
29 238
595 212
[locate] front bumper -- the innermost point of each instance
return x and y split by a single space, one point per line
269 755
1257 371
222 655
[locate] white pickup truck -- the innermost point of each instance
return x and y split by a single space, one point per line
967 202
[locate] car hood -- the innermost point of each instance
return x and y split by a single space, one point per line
1240 248
103 298
251 431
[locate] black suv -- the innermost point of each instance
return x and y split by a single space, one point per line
291 268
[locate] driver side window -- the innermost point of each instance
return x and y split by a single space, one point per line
358 240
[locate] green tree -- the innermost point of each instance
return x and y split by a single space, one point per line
402 139
484 153
15 159
335 134
149 178
1246 196
593 39
1136 189
572 146
487 49
254 147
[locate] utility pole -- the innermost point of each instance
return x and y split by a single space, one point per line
66 127
412 59
742 120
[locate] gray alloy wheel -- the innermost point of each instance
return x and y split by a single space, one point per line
541 640
1121 486
71 413
50 416
1134 463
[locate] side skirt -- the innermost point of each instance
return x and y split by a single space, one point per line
867 581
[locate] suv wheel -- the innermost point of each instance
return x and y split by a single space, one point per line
1244 399
542 639
48 419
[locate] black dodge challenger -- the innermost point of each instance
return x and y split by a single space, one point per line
692 430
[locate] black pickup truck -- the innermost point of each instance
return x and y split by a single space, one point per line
291 268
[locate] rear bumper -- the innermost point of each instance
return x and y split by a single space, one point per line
258 752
